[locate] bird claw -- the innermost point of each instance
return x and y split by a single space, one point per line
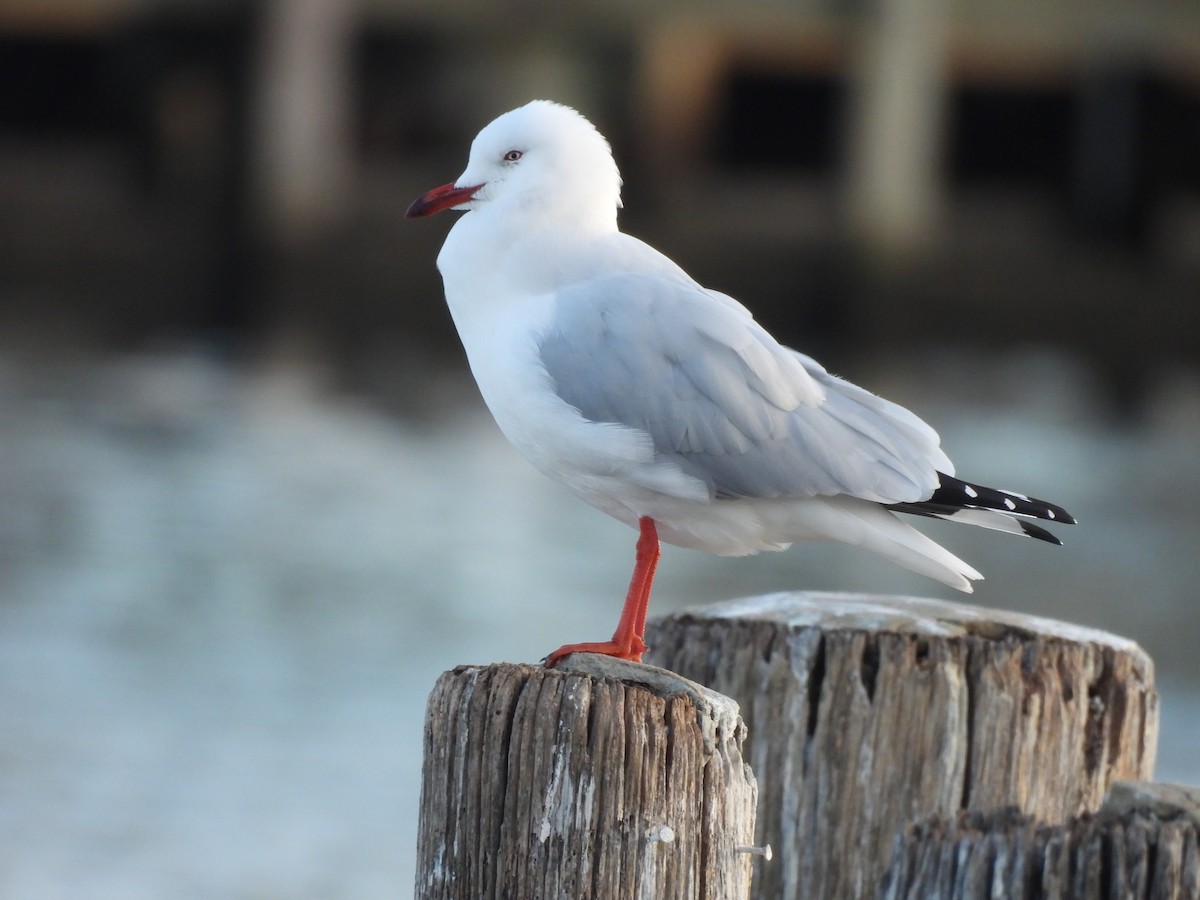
631 650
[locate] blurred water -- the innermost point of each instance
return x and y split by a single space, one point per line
225 594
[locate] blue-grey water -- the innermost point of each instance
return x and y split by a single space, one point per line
225 593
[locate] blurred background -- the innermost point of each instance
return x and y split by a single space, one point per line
251 505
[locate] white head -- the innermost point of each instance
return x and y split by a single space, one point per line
543 159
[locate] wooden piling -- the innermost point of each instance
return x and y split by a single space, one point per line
868 713
1143 844
599 779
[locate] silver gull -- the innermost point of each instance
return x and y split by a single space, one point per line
662 402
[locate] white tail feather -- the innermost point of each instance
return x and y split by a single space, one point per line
883 533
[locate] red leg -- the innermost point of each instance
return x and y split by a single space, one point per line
628 641
648 552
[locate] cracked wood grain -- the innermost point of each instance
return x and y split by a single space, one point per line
599 779
1142 844
867 713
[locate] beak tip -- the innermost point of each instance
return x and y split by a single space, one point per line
447 196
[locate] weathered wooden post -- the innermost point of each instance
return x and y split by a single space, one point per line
599 779
867 713
1143 844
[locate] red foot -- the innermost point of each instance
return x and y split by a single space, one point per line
607 648
628 641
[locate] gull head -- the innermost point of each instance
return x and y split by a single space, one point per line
541 159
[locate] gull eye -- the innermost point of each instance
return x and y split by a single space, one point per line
512 155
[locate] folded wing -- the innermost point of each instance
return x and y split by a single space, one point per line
726 403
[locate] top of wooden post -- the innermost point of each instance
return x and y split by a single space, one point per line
1161 800
716 714
833 610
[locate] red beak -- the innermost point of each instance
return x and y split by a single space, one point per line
440 198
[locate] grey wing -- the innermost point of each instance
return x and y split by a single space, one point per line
726 403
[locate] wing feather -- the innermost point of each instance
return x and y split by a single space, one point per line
724 402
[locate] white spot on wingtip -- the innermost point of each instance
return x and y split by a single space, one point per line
969 491
1009 503
1049 514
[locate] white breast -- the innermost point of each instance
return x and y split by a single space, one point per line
608 465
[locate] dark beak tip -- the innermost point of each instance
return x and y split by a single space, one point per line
447 196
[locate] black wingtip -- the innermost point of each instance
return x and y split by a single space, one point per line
1053 513
958 493
1037 531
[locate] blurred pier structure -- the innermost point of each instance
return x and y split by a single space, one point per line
864 175
229 572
